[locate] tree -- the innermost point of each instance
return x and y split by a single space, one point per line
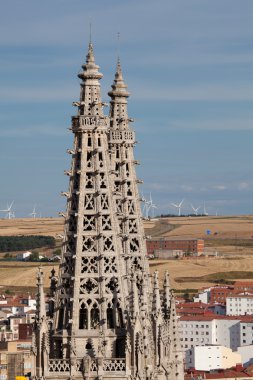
34 256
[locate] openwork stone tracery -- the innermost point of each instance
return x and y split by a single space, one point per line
107 319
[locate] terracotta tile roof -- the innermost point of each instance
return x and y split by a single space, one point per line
243 283
31 312
185 305
241 295
242 318
226 374
14 304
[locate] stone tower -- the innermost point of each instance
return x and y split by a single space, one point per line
107 319
121 142
156 308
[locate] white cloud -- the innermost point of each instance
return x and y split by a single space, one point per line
187 188
243 185
220 187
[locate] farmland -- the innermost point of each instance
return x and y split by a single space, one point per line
230 236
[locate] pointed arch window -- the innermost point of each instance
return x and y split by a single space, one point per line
94 317
61 318
89 142
119 317
120 347
110 319
83 317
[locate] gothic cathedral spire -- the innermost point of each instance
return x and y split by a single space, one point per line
104 322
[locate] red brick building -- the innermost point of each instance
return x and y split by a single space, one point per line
219 293
25 331
243 286
192 246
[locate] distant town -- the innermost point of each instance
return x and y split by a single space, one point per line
215 322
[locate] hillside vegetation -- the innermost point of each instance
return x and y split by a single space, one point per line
22 243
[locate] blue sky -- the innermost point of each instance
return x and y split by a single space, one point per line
189 68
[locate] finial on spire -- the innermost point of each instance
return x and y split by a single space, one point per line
166 279
119 88
90 55
118 41
90 23
90 69
40 276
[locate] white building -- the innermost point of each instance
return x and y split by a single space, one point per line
19 306
203 330
246 331
239 305
246 353
23 256
209 358
203 296
214 330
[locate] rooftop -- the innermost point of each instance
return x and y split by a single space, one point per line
199 318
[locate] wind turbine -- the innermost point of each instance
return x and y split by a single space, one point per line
146 206
205 212
10 213
178 206
143 199
152 205
195 209
33 213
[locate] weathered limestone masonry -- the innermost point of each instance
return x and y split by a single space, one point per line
107 318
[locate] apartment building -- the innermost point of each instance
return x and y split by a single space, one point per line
203 330
240 304
15 359
209 358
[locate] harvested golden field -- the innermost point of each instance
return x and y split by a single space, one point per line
23 274
229 235
229 227
197 268
29 226
237 230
